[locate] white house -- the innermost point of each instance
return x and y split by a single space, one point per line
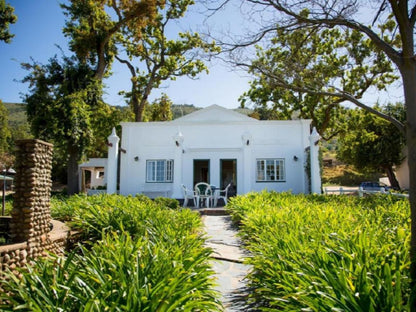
217 146
92 174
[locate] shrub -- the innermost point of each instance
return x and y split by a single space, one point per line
167 202
140 256
325 253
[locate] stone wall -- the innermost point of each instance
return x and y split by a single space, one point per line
32 231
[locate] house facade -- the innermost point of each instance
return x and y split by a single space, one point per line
217 146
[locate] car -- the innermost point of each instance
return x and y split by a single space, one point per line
373 186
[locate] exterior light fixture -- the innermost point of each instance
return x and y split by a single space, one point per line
136 158
295 158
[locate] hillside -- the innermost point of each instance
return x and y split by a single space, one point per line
17 114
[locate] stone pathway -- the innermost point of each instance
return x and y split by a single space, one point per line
228 265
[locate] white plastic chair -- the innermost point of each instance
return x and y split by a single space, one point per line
204 192
189 194
222 194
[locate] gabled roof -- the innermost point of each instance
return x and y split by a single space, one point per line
214 114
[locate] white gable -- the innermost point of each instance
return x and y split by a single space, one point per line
214 114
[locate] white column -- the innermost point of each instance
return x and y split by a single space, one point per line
112 162
315 169
247 163
177 171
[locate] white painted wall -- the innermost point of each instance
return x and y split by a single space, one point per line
213 133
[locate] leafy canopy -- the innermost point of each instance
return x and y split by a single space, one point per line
7 17
298 75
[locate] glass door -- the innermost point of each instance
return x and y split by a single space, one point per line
201 171
228 175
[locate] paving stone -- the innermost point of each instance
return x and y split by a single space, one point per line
230 271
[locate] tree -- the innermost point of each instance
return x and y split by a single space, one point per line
324 59
7 17
160 109
63 103
370 142
162 58
93 27
393 35
5 134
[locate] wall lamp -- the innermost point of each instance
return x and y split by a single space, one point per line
177 143
248 142
295 158
136 158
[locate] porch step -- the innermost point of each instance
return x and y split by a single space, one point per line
213 211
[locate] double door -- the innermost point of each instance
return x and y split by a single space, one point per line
227 174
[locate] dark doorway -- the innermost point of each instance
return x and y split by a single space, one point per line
201 171
228 173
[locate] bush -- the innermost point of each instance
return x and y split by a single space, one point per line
325 253
167 202
140 256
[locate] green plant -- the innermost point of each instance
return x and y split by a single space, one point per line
140 256
325 253
167 202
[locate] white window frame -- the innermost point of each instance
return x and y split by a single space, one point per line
270 170
159 171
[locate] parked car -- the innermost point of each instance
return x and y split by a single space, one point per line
373 186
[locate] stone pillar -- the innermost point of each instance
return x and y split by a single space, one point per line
112 162
31 217
314 158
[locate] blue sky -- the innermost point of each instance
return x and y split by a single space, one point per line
39 29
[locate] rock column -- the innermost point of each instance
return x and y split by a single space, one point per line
31 219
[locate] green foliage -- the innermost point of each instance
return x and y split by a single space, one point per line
325 253
297 74
7 17
159 110
64 106
18 125
155 57
4 129
369 142
141 257
167 202
94 27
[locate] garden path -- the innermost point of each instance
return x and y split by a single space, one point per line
230 271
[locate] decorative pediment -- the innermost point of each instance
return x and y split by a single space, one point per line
214 114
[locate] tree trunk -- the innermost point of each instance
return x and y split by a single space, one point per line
409 83
392 177
72 170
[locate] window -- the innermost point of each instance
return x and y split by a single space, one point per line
270 170
159 170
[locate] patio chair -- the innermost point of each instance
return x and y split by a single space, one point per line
189 194
222 194
204 192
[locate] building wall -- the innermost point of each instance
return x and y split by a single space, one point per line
213 140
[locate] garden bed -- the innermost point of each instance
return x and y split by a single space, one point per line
325 253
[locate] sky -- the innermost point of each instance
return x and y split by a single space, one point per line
38 31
